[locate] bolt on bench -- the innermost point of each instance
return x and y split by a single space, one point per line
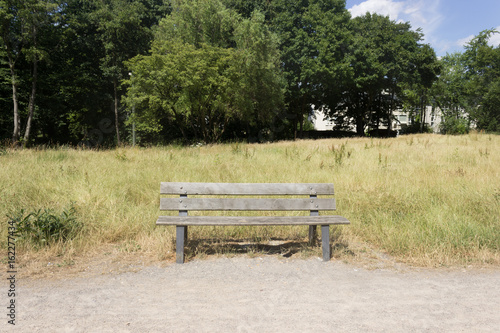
239 202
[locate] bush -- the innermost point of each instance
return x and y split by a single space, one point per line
43 227
454 126
414 128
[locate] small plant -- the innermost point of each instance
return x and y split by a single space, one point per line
369 146
43 227
129 246
292 153
236 148
66 263
484 153
121 156
496 195
382 163
248 153
308 157
340 153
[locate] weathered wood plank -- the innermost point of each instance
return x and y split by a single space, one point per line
184 213
246 188
179 244
251 220
325 242
186 204
312 228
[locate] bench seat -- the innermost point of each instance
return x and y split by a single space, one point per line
250 220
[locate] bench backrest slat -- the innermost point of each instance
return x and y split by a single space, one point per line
246 189
246 204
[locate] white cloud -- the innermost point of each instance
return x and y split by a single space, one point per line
464 41
382 7
495 39
423 14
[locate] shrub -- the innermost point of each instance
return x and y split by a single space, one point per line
414 128
454 126
43 227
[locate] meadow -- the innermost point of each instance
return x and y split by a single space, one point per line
425 200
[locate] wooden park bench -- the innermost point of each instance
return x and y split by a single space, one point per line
236 199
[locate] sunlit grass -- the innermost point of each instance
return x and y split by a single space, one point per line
424 199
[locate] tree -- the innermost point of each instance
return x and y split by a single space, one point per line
258 87
313 40
246 8
123 36
386 62
424 71
468 87
449 94
5 96
207 67
76 94
21 23
483 72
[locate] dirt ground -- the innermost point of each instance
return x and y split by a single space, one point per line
260 294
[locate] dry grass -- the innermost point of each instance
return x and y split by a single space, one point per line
426 200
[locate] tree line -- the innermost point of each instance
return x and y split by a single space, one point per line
468 89
97 72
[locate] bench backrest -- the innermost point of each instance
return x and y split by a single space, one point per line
310 203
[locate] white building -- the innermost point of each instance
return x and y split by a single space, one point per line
433 118
317 118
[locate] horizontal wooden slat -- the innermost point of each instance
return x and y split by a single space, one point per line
251 220
246 188
246 204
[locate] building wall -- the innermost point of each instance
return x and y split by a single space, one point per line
433 118
320 124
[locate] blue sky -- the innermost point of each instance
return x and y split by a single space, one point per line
447 24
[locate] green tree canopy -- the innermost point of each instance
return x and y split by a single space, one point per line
384 58
207 68
313 40
482 63
21 25
467 90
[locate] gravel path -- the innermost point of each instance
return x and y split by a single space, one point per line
262 295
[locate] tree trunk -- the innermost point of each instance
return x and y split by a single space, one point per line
360 126
389 123
17 120
31 105
295 128
301 126
422 114
115 88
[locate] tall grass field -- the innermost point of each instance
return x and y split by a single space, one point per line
425 200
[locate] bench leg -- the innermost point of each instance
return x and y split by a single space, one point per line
181 234
312 235
325 242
